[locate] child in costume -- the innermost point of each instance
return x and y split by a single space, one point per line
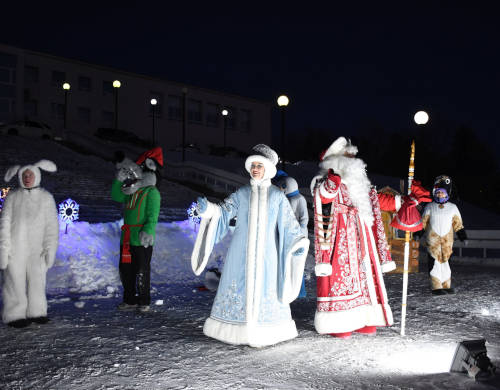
440 220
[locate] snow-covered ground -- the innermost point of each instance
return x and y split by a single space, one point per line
90 345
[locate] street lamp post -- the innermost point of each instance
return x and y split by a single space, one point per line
154 102
225 113
283 103
116 86
184 95
66 88
421 118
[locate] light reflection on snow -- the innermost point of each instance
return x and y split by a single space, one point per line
421 358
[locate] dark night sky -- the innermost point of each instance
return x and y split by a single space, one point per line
344 67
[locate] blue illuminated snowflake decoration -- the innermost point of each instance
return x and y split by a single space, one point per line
68 211
3 195
193 214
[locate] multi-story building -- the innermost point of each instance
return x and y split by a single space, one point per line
31 88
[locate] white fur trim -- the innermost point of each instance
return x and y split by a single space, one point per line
11 172
397 200
261 182
254 335
269 168
204 239
388 267
339 147
349 320
36 172
323 269
46 165
294 270
259 253
210 211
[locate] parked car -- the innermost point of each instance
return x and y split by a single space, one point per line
28 129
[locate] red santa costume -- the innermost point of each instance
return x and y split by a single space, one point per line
350 245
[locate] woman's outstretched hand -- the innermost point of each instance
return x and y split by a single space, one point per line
201 204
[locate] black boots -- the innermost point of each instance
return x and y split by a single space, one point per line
39 320
22 323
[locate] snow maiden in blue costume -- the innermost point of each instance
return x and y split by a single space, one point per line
263 268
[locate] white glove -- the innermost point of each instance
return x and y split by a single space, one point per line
323 269
146 239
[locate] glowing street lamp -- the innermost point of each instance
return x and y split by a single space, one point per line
66 88
225 113
283 103
154 102
421 118
116 85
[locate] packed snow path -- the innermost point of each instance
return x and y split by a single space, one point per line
90 345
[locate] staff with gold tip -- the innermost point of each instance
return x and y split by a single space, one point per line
411 173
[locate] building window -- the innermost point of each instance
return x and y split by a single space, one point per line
7 91
245 120
212 114
57 111
31 74
31 108
194 110
174 107
84 115
5 75
84 84
4 105
108 118
231 118
8 60
107 88
159 104
58 78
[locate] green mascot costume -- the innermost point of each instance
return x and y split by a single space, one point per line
135 186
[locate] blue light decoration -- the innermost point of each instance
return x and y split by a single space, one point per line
193 216
3 195
68 212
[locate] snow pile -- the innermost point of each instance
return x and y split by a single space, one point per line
87 257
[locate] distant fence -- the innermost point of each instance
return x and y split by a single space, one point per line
483 247
217 180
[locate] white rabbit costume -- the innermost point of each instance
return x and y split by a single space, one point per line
29 232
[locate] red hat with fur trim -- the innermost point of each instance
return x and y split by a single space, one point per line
154 154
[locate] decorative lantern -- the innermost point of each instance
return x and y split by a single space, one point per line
193 216
68 212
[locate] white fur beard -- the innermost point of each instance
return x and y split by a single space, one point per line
353 174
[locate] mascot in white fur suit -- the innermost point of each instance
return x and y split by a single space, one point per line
29 232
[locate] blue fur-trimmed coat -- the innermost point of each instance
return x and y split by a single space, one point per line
263 268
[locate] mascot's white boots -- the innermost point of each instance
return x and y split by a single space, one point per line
29 232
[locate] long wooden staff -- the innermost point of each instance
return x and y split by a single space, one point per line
411 173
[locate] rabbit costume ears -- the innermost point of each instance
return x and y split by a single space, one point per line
46 165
